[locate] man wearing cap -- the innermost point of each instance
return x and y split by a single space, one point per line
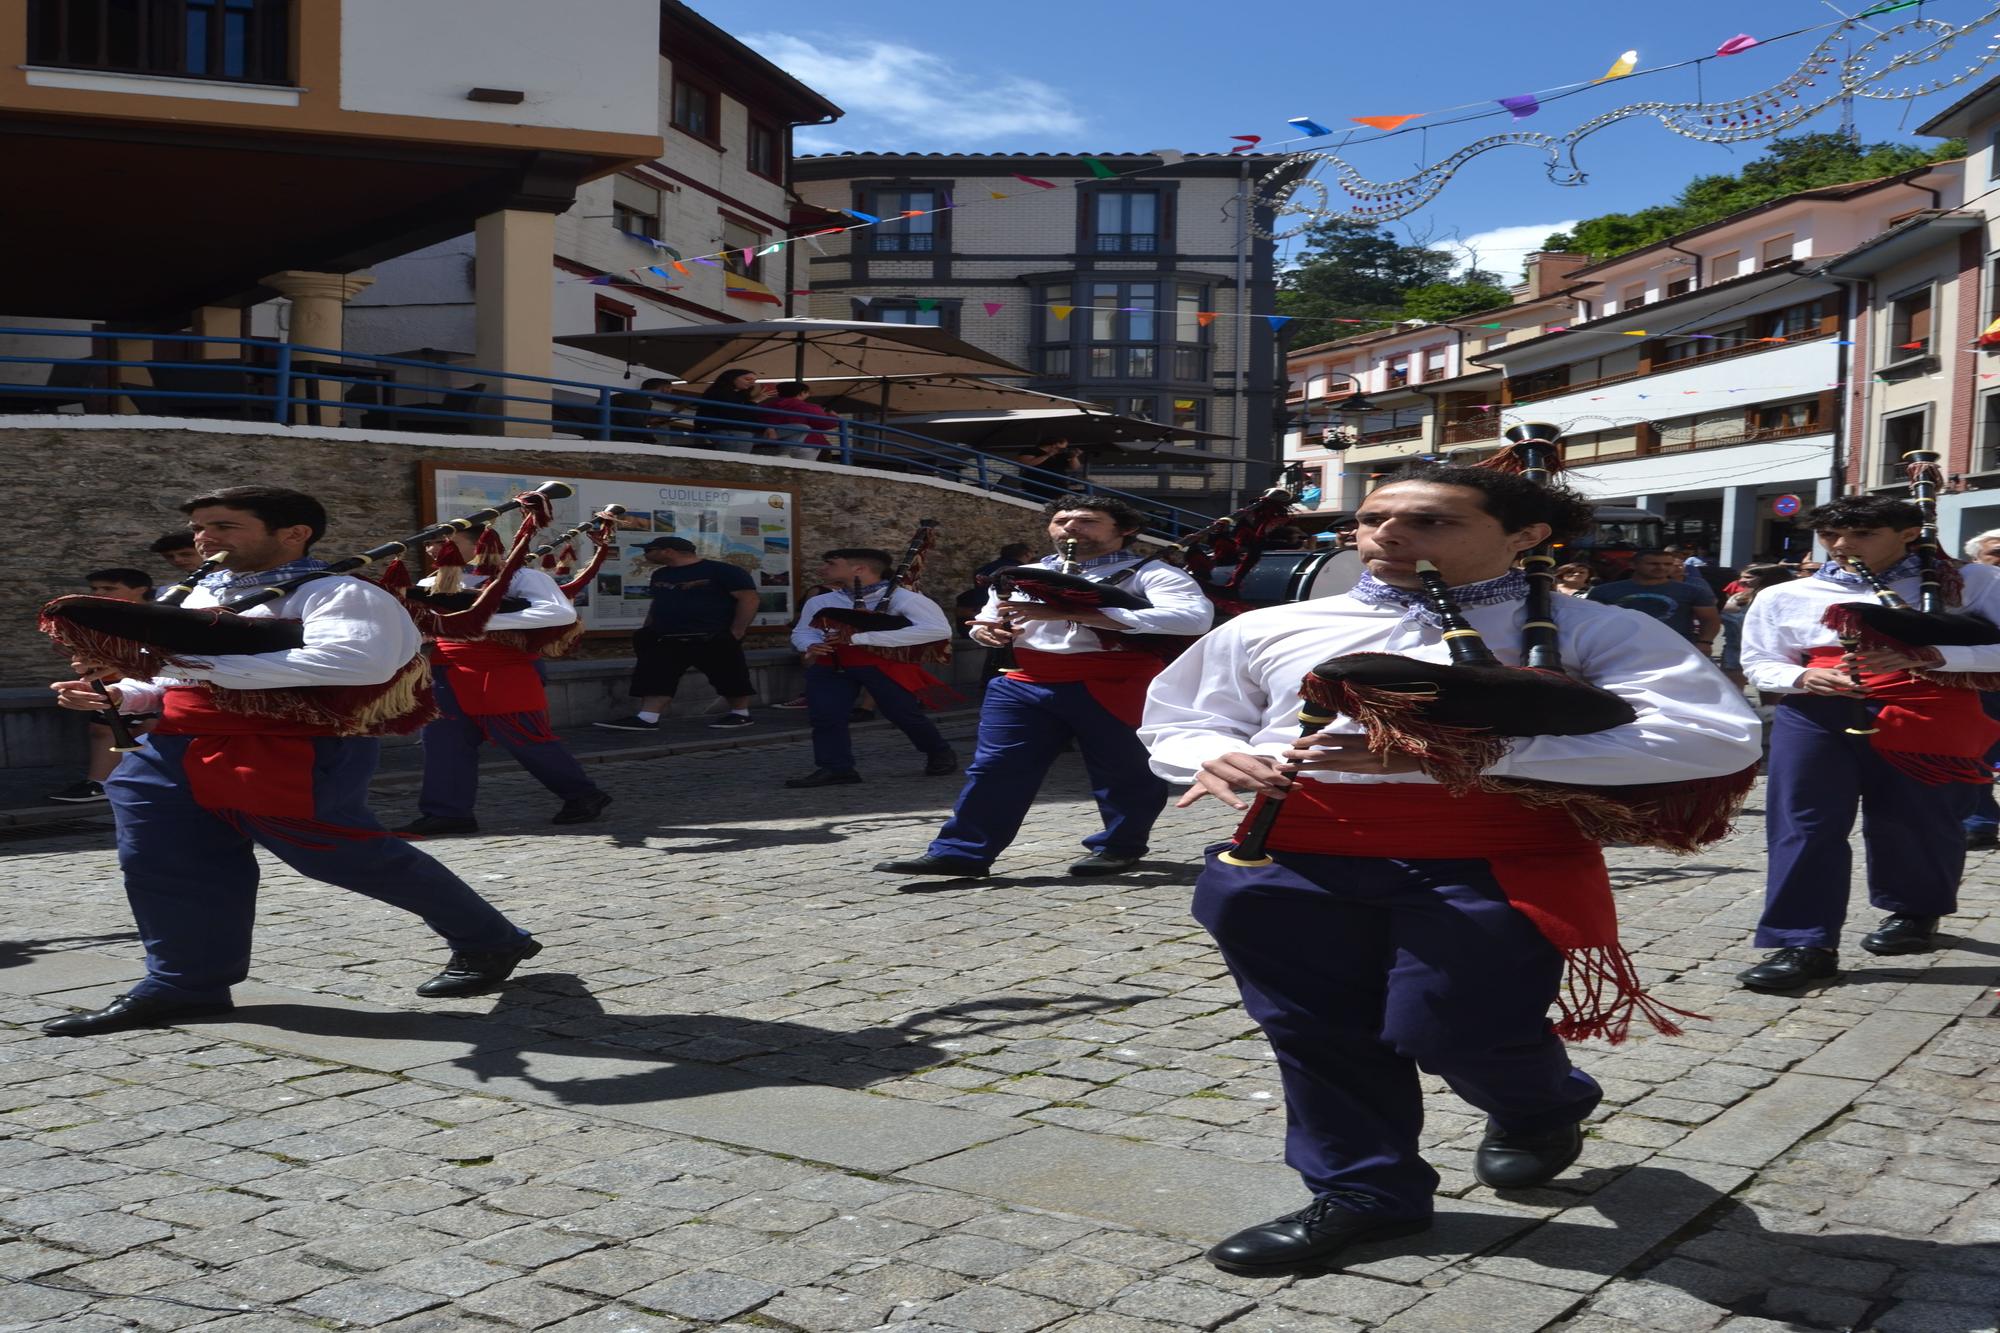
701 611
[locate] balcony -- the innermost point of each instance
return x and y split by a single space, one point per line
237 41
1725 353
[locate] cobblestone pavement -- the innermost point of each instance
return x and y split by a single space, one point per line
750 1085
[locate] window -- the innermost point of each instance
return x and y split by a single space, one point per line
740 245
1725 266
762 156
615 316
896 233
1433 363
243 40
1900 434
1633 297
1316 386
1909 327
925 310
1788 418
1778 250
1399 371
1124 331
1541 381
1989 434
1125 222
1794 321
1992 291
696 109
635 207
1681 286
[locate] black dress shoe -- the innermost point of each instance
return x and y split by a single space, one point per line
1976 839
1306 1239
472 973
1902 934
439 826
941 763
582 809
1102 863
1791 969
131 1011
826 777
950 867
1522 1161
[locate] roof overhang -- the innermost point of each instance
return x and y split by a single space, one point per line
1903 242
1957 120
1694 305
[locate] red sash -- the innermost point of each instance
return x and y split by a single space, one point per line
930 691
1934 733
1117 680
1551 873
489 678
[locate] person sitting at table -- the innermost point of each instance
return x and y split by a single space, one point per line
640 416
801 423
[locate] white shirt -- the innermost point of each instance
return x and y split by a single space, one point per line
927 619
1237 690
355 634
1784 622
547 608
1179 607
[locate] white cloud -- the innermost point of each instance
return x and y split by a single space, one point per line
1502 250
903 99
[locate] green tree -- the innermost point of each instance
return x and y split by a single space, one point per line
1436 302
1788 165
1358 270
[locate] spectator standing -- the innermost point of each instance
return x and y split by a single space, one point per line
1051 469
701 611
1736 606
1984 549
1575 578
1686 608
640 416
800 422
125 585
177 549
1982 826
729 416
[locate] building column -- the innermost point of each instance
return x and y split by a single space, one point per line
319 302
1739 526
131 377
515 311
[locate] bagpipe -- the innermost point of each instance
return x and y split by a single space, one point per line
145 640
1237 540
1066 587
1457 718
558 557
839 624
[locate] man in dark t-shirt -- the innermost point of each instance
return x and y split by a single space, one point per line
1655 589
700 613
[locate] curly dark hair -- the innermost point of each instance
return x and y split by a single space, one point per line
1128 519
1862 511
1513 499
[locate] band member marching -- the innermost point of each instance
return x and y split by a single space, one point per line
1895 732
870 652
1077 675
488 689
270 749
1409 910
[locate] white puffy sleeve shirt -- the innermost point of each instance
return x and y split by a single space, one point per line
1783 625
1237 690
1178 607
547 608
927 621
355 634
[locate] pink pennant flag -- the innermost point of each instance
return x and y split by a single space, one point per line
748 258
1742 41
1032 181
992 308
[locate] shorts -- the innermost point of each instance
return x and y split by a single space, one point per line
664 658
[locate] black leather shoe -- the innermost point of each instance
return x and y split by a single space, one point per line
1102 863
1791 969
1976 839
941 764
439 826
131 1011
1522 1161
1306 1239
950 867
1901 934
826 777
582 809
472 973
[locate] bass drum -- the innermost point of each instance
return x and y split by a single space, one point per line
1294 576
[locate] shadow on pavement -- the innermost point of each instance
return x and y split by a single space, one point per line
15 953
1146 875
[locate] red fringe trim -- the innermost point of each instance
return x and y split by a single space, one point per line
1981 681
312 834
1673 816
1601 991
1456 758
522 728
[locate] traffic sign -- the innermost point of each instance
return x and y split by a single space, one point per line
1785 506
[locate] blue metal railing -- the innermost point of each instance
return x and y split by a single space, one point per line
287 384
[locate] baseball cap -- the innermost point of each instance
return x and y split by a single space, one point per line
670 544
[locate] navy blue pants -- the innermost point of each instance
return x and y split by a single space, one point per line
1818 778
830 696
1022 728
191 877
451 758
1985 815
1361 972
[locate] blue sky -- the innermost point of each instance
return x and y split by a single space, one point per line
1094 75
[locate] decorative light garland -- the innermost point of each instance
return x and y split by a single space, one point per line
1759 115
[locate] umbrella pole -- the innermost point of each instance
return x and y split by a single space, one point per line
799 357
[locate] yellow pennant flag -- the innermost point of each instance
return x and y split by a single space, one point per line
1061 311
1635 333
996 194
1620 67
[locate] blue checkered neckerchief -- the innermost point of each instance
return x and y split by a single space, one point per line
1841 576
1095 562
223 581
1371 591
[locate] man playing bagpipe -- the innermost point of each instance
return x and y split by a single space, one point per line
842 660
1889 725
489 689
270 749
1422 894
1083 654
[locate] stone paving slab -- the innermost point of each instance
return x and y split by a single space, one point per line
68 970
1770 1120
1875 1045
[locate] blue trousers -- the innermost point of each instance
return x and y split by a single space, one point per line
1363 971
1022 728
830 696
1985 814
191 877
1818 778
451 759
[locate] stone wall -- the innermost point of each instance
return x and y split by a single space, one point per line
94 494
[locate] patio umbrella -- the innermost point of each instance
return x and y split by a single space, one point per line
798 348
1079 424
933 395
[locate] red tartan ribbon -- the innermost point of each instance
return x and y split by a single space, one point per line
1934 733
1117 681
